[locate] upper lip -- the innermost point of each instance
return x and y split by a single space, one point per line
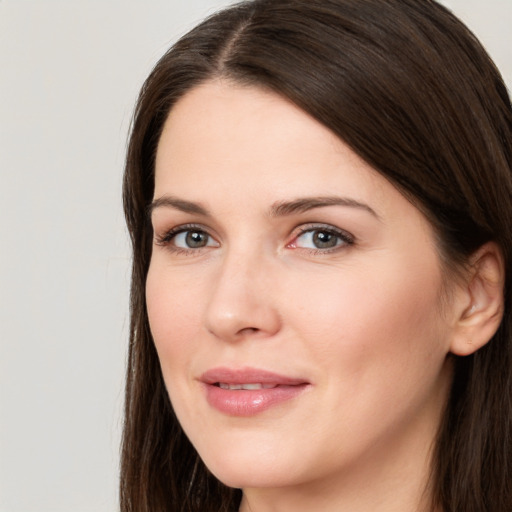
248 376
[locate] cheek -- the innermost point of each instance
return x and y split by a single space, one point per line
174 316
174 319
375 340
372 321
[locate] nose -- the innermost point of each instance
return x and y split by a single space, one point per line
243 302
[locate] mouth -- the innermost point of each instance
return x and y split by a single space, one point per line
248 378
249 391
247 387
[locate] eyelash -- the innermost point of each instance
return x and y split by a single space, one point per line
165 240
346 238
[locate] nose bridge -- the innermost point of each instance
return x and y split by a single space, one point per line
241 302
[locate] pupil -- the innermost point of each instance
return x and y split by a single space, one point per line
196 239
323 239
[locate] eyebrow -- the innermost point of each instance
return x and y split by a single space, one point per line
305 204
278 209
178 204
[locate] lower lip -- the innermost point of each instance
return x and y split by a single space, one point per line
250 402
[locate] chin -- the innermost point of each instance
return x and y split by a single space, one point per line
252 478
249 471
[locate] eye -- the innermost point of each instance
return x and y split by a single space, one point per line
193 239
321 238
186 238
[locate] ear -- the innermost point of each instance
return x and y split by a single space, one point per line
481 301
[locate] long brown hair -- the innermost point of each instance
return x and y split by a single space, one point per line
412 91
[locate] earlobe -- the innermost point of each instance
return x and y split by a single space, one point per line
483 295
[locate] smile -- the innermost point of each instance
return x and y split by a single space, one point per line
248 391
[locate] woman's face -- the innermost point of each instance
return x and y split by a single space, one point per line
293 296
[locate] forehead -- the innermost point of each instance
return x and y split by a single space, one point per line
223 133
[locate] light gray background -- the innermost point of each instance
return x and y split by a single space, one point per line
69 75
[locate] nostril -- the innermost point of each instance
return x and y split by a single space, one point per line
248 330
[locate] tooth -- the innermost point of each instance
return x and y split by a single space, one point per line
252 386
247 387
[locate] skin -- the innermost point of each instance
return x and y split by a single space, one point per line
363 322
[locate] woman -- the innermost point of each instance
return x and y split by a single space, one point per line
319 198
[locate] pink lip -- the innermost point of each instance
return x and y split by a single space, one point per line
249 402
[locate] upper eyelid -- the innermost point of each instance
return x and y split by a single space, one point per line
304 228
179 228
168 224
168 234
